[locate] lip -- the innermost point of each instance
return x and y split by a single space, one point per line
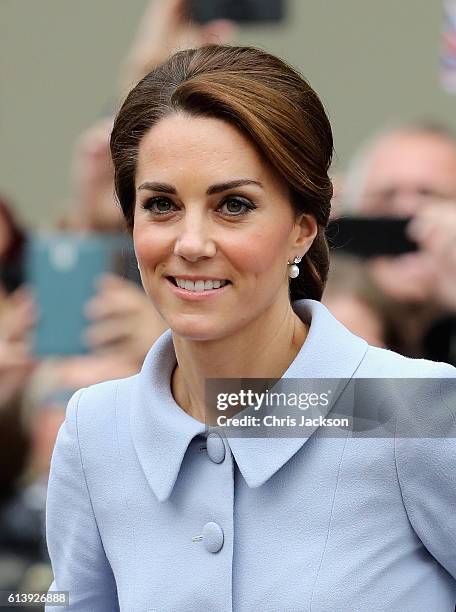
196 278
196 296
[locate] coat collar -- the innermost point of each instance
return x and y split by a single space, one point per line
162 431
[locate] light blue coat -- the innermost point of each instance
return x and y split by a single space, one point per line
142 516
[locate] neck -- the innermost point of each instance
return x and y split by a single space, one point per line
244 354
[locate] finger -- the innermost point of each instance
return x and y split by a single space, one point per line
101 304
433 233
420 230
114 303
106 332
108 280
425 230
116 296
100 308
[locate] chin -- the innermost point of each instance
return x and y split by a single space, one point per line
197 328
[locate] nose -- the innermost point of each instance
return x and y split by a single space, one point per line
194 241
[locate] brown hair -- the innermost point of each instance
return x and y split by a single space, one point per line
263 97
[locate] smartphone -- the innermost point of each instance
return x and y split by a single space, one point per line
62 270
370 237
241 11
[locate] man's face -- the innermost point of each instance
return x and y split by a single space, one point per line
407 170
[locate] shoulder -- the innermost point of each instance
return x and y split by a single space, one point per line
100 398
381 363
417 395
92 411
423 409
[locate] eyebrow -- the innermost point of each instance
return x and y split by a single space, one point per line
217 188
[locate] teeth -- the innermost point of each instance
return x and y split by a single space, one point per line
199 285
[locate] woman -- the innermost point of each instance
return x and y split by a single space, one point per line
221 158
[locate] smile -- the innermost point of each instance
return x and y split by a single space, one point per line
198 289
198 285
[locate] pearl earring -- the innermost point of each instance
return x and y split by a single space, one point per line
293 270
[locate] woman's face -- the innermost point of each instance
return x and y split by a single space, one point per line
209 208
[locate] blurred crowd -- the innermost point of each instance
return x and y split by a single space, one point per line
405 302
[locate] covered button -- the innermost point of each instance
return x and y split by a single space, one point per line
212 537
215 448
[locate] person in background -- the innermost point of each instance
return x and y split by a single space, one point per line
17 318
410 172
20 546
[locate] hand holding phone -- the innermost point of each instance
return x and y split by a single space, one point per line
166 27
434 229
123 320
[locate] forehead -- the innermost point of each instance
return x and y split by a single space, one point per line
179 143
413 158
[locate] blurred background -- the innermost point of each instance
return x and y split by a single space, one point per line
72 309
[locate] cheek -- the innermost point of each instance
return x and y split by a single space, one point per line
261 252
150 245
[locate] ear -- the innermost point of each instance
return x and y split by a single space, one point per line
305 229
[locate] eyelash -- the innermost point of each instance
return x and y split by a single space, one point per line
246 203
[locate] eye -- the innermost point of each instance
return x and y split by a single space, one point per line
159 205
235 207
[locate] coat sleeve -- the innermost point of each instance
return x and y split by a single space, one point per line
426 469
77 555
